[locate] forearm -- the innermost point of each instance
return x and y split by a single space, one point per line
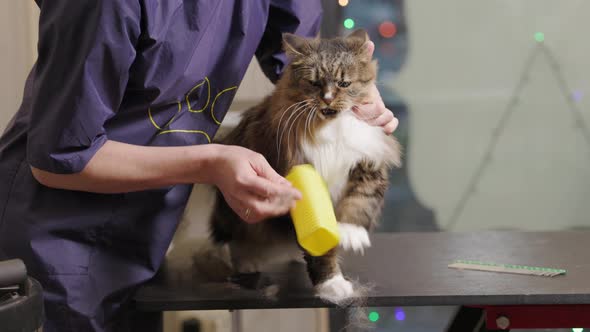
119 167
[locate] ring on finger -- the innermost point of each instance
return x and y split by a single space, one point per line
247 214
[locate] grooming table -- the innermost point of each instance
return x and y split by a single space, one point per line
410 269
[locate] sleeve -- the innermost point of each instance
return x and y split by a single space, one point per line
85 50
300 17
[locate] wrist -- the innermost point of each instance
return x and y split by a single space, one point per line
205 160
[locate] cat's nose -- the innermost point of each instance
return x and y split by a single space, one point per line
328 98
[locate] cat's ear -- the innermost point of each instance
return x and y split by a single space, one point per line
295 45
359 34
360 41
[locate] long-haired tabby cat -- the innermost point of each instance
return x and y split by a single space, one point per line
308 119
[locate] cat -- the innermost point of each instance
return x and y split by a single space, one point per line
309 119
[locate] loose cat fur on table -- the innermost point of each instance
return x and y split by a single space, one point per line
308 119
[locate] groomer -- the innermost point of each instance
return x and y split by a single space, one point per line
97 165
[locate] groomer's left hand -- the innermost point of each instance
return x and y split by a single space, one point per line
375 113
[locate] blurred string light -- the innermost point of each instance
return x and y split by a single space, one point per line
349 23
474 181
373 316
400 315
387 29
343 3
577 330
577 95
387 48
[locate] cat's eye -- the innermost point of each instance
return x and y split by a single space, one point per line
343 84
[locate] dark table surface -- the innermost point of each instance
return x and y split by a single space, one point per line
407 269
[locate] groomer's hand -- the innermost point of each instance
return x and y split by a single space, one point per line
250 185
375 113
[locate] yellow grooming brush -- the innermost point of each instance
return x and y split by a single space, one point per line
313 215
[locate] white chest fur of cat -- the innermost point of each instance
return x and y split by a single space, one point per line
340 145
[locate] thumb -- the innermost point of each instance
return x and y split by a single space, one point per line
283 187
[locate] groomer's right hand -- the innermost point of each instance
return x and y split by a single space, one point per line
250 185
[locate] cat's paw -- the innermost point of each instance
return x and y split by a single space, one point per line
353 237
336 289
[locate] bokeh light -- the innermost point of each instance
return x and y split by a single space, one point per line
387 48
577 330
343 3
400 315
577 95
349 23
387 29
539 37
373 316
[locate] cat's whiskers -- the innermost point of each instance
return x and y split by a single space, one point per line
280 135
308 122
304 122
287 111
306 127
297 104
291 127
315 113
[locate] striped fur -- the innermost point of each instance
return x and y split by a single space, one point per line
307 119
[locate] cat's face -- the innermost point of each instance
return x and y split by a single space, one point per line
333 74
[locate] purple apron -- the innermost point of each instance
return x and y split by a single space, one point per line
146 72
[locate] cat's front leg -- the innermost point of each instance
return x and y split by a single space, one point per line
360 206
327 278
